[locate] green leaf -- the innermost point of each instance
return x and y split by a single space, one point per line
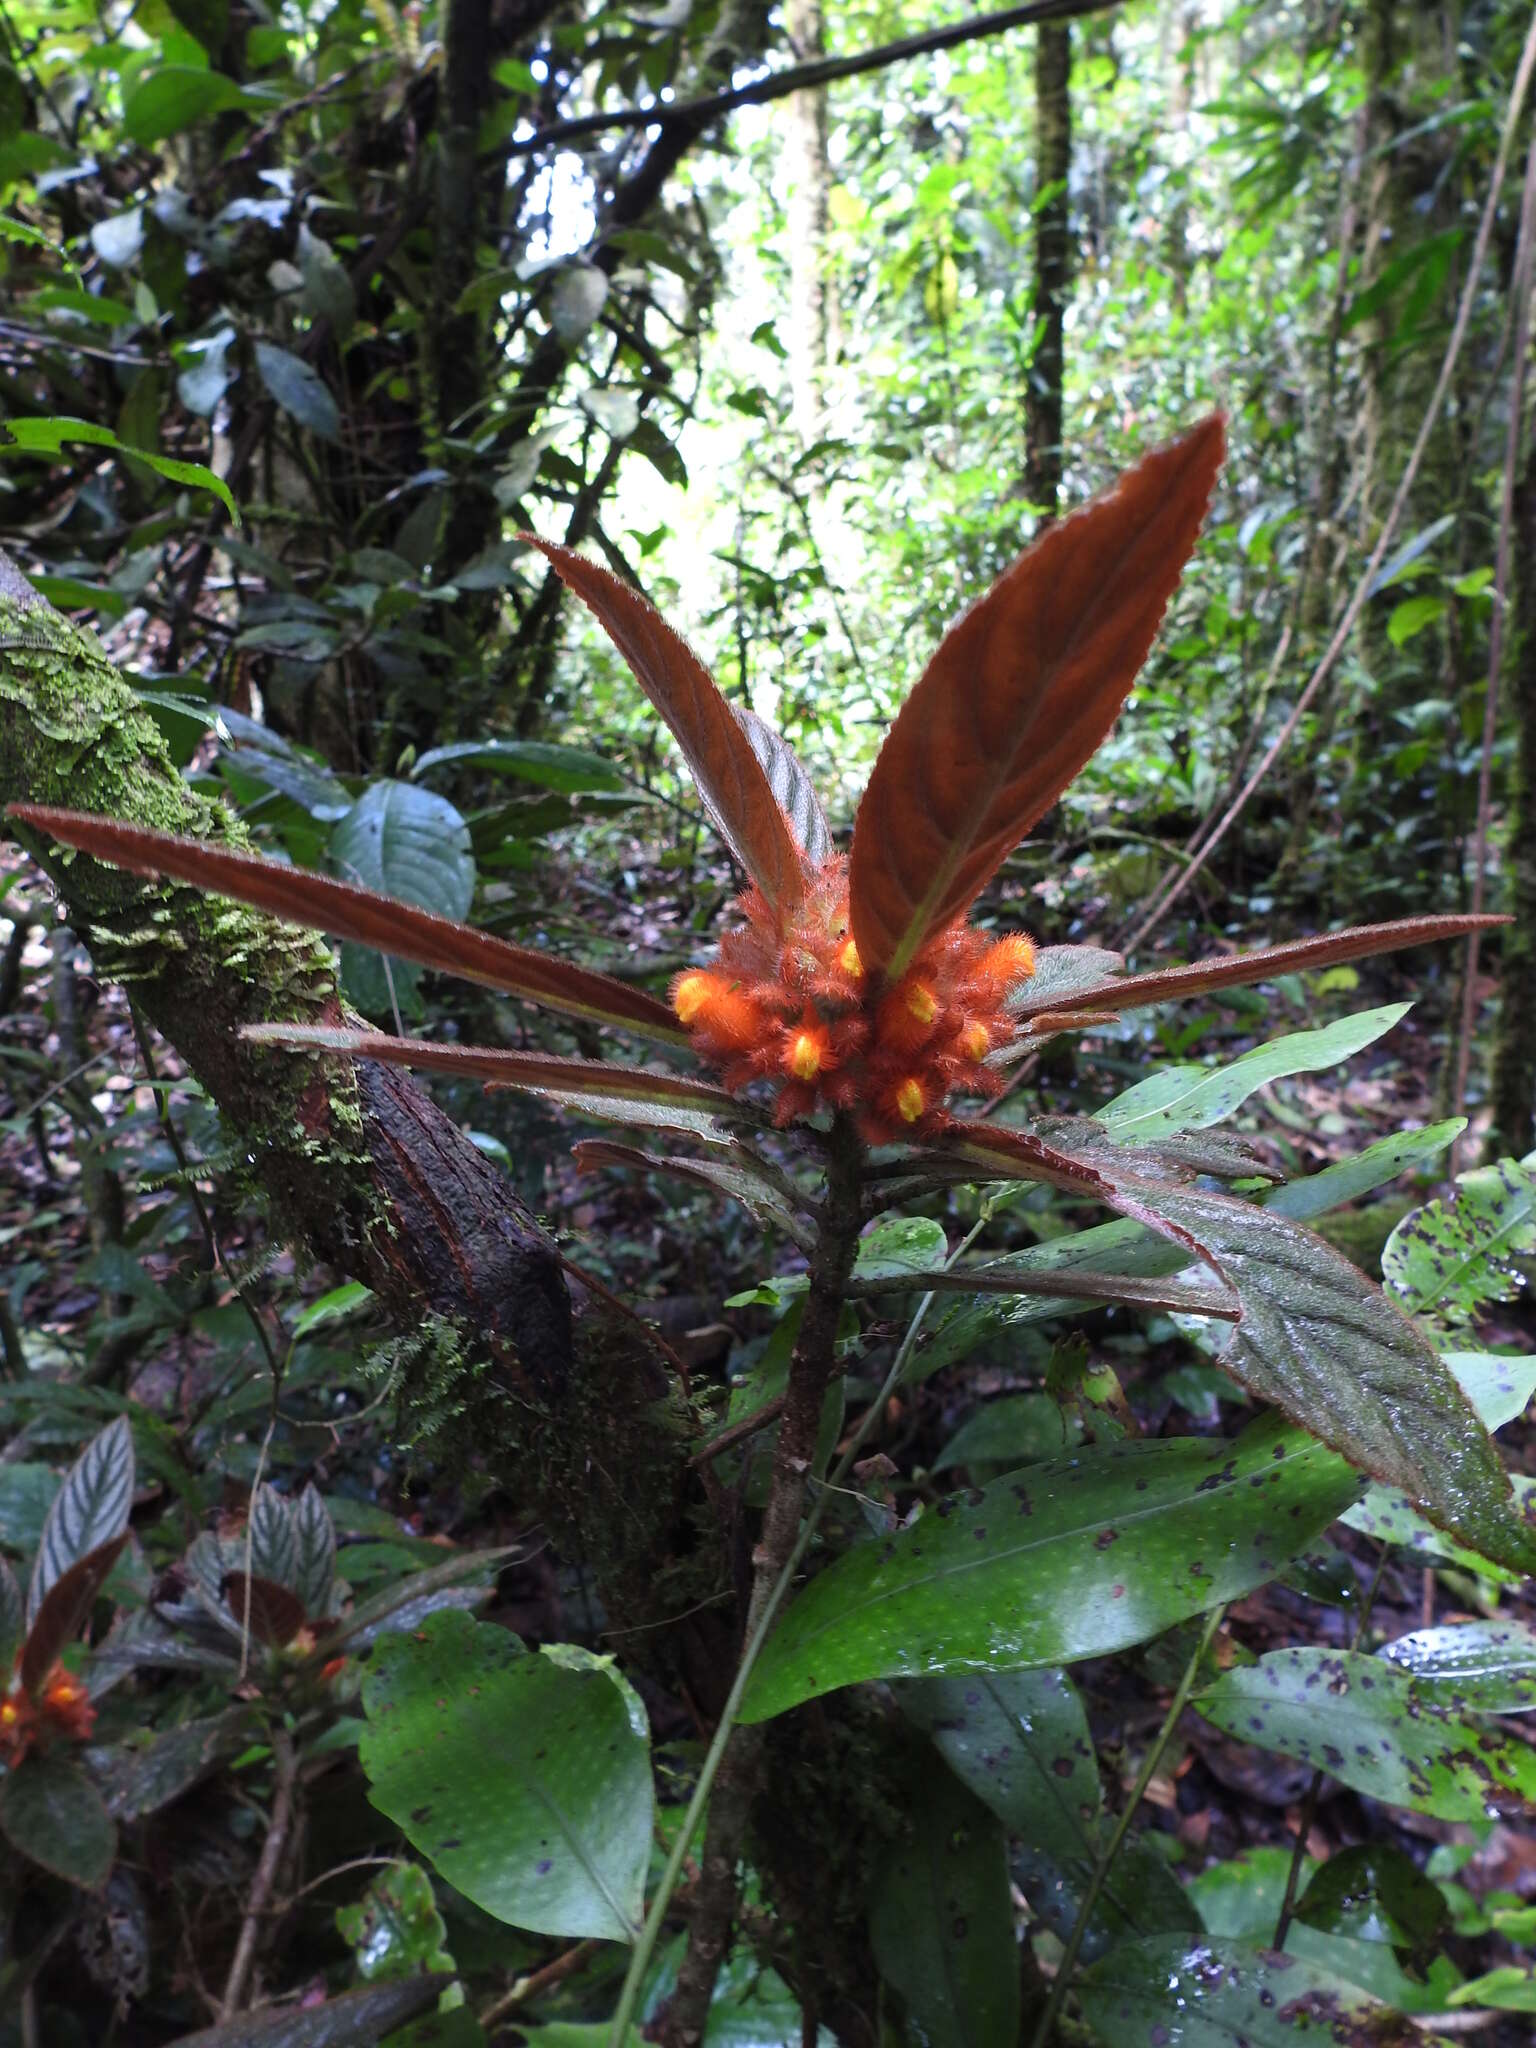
331 1307
1065 1560
1019 1429
395 1928
176 98
1415 546
299 390
1488 1667
941 1919
207 20
1509 1988
1499 1388
1391 1517
90 1510
1226 1994
328 293
1411 617
1192 1098
47 436
570 770
1373 1892
1378 1164
405 842
269 1542
1366 1724
1319 1340
524 1782
140 1781
51 1813
1450 1258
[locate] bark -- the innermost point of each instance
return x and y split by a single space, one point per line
810 178
563 1399
1514 1052
1053 265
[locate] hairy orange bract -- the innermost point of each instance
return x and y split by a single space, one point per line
789 1004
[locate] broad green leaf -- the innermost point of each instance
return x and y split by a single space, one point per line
1375 1167
299 389
395 1928
1226 1994
1499 1388
51 1813
336 1303
1065 1560
1408 619
523 1781
1365 1722
1450 1259
1373 1892
1192 1098
941 1918
48 436
1018 1429
569 770
139 1781
1391 1517
176 98
404 842
1486 1667
89 1511
1241 1898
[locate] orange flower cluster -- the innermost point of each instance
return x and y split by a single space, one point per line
62 1707
794 1007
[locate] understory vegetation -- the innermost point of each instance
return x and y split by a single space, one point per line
767 1024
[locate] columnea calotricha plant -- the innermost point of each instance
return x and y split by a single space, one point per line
850 1001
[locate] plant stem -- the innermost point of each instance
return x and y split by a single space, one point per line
757 1635
1106 1862
285 1777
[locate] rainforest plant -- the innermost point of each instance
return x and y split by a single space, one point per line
846 1013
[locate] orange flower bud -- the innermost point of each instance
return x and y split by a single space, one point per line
1008 961
976 1041
849 961
692 994
910 1099
807 1053
908 1015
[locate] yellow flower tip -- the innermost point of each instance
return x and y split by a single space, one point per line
920 1003
910 1100
849 961
804 1058
692 995
976 1041
9 1714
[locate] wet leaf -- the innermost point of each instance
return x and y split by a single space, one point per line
143 1780
1021 691
524 1781
1487 1667
395 1928
720 755
348 912
941 1919
1064 1560
1364 1722
1450 1259
1225 1994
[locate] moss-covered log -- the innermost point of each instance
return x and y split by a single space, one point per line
563 1399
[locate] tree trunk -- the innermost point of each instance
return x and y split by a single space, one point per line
565 1400
1053 265
1514 1051
810 178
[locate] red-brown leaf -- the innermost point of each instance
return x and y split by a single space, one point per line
730 779
348 912
65 1607
1022 690
508 1069
1358 943
274 1613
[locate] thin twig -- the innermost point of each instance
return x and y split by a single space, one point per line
285 1766
536 1981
